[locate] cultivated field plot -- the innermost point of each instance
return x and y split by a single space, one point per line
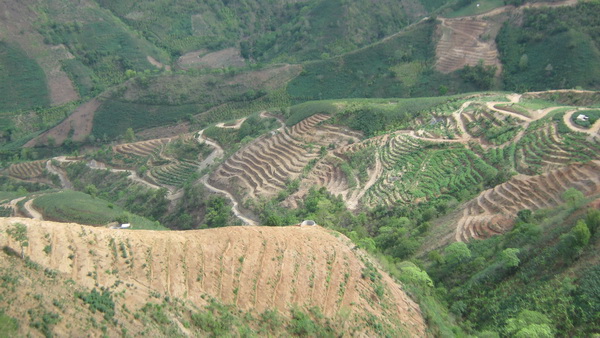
416 170
252 268
262 168
142 148
543 148
494 210
462 44
27 170
490 127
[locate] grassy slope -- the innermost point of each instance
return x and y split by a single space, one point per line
278 30
73 206
400 66
561 47
22 81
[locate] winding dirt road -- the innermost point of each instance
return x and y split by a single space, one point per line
218 152
31 210
64 180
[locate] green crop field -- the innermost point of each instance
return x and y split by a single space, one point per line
476 7
22 81
78 207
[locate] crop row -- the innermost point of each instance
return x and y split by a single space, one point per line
494 210
27 170
544 149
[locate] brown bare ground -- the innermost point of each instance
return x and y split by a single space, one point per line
229 57
157 63
79 123
17 25
255 268
462 43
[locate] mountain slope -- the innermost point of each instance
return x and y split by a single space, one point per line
253 268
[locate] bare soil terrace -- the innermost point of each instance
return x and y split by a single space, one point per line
254 268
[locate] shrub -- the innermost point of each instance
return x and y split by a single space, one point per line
97 301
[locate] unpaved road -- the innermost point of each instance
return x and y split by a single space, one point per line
64 180
237 124
218 152
31 210
593 131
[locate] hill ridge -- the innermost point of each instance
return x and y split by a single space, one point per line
254 268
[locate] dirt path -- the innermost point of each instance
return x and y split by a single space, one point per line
352 202
593 131
234 203
13 205
237 124
31 211
157 63
218 152
64 180
459 121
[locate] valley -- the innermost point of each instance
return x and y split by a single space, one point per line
299 168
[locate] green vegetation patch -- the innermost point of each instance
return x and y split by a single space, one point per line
553 48
279 30
376 116
8 325
104 45
593 116
113 117
99 301
475 7
252 127
368 72
305 110
78 207
22 80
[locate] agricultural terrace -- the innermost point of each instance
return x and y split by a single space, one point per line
495 210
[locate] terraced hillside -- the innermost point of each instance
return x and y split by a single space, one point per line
462 43
494 210
262 168
27 170
142 148
416 170
544 148
252 268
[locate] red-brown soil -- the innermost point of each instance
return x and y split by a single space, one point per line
79 124
17 24
466 41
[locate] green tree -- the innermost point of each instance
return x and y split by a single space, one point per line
129 135
18 232
592 219
456 253
573 197
91 190
510 258
572 243
529 324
